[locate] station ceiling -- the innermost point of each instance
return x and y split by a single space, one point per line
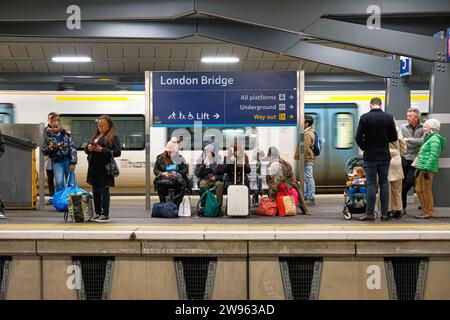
127 56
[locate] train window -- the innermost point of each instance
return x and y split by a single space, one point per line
343 131
220 137
5 118
130 129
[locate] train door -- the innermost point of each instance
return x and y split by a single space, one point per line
6 113
335 125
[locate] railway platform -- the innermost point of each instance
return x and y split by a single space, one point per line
318 256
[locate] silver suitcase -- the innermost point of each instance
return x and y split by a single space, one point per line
238 198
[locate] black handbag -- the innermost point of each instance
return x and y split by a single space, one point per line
112 169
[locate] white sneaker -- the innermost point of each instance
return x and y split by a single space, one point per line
2 215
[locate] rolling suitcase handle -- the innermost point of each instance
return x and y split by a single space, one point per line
235 169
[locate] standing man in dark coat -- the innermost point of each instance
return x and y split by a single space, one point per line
376 130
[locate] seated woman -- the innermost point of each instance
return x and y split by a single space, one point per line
171 172
209 173
236 153
279 171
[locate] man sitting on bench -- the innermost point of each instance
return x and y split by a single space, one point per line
209 174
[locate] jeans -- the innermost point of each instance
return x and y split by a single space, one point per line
101 200
51 182
61 171
374 169
408 181
310 184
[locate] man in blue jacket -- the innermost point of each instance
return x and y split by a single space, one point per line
376 130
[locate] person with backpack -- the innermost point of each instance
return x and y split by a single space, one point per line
312 147
2 151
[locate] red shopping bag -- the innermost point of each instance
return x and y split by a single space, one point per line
267 207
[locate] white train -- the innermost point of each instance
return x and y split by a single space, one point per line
336 114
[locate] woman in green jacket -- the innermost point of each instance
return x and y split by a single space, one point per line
427 166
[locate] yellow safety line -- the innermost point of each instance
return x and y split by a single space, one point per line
72 227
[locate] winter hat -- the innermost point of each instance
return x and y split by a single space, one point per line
172 145
210 148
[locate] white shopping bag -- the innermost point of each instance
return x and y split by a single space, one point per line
185 208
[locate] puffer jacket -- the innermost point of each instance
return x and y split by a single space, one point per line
67 150
428 158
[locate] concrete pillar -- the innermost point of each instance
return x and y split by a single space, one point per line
398 99
24 278
230 281
349 278
440 109
266 282
57 278
437 282
144 278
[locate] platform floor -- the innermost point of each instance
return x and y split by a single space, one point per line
131 221
130 210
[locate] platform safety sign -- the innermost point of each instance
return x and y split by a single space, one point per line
225 98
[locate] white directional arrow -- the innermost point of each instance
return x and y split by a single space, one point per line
216 116
291 106
291 97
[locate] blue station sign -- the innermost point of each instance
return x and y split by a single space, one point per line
405 66
224 98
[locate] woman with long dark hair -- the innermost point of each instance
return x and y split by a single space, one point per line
236 154
103 146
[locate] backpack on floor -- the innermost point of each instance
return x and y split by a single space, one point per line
211 204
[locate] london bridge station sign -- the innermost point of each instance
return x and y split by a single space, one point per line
224 98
